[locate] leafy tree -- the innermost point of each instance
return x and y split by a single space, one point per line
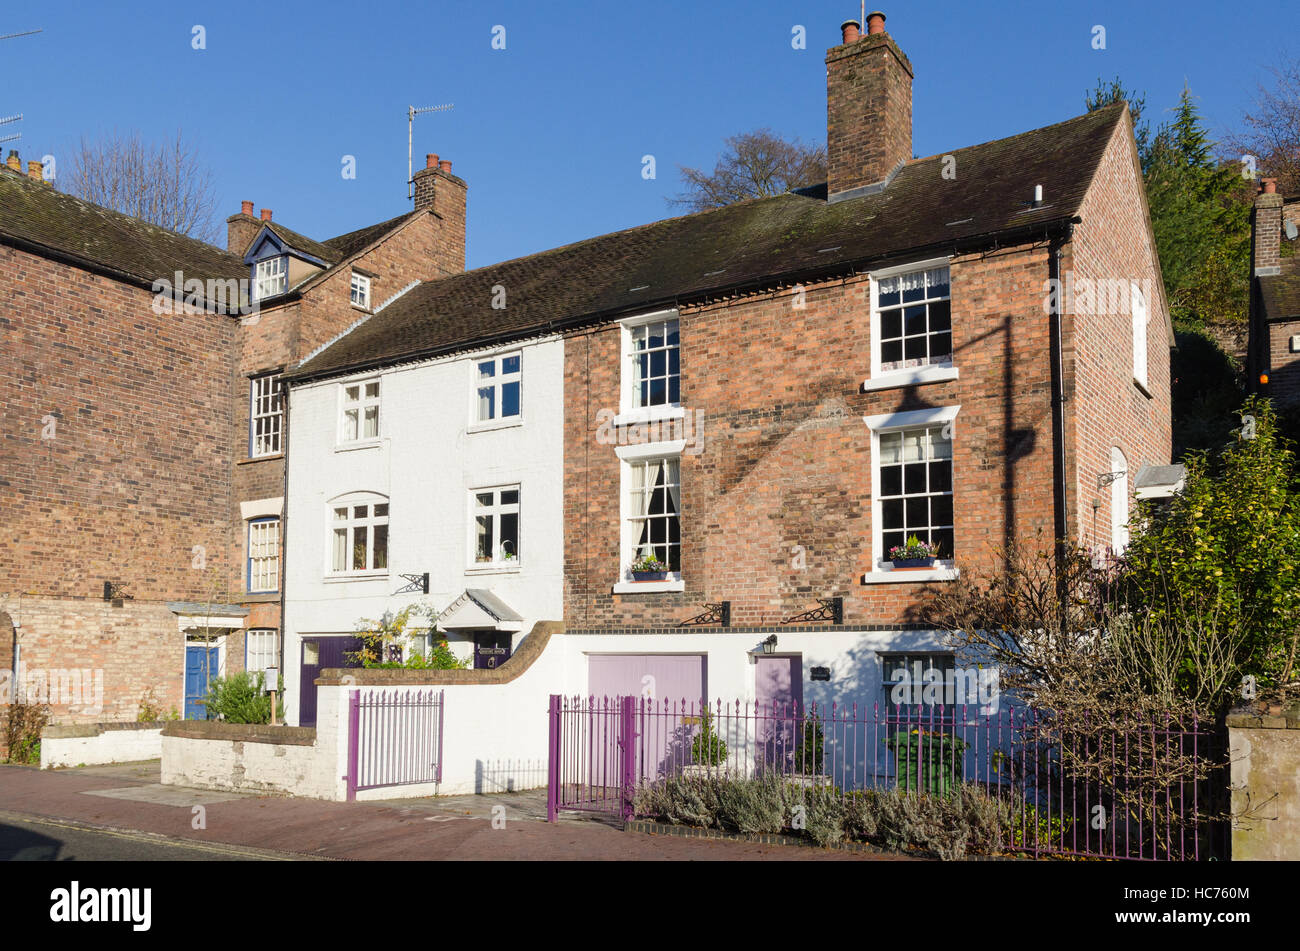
1106 94
1226 552
1200 213
755 164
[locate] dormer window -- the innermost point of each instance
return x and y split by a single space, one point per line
360 290
271 277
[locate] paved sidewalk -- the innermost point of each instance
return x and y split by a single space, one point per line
452 828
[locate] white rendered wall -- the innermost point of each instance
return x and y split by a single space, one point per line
426 462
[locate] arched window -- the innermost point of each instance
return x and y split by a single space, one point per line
1118 500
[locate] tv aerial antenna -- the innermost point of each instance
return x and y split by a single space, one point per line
411 113
15 118
7 119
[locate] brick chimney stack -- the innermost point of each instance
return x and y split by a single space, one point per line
241 229
437 190
1266 230
13 162
34 171
868 109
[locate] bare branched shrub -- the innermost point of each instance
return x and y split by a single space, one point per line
164 183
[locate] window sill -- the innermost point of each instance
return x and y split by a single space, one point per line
353 446
648 587
494 569
356 576
896 576
261 597
649 414
917 376
492 425
1142 388
362 308
269 458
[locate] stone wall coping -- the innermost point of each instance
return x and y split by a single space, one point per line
241 732
1242 721
519 661
63 731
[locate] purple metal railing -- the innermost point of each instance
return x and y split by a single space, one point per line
1070 791
394 739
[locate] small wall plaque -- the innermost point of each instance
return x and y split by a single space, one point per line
821 673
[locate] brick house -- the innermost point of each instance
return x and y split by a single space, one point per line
142 431
1274 348
970 347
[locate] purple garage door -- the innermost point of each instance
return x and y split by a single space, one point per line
778 685
679 679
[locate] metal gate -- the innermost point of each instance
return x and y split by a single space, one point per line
394 739
592 760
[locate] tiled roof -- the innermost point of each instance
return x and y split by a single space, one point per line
35 214
1280 293
752 243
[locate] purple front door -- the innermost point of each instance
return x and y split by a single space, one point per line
778 683
675 685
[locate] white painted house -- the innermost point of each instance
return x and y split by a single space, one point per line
449 467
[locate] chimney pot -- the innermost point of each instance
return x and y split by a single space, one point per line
445 165
246 208
13 161
849 31
431 160
266 214
875 23
1270 186
34 171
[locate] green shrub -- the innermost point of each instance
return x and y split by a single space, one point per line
753 805
240 698
825 815
707 749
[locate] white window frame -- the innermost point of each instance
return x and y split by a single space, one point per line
914 376
496 383
498 508
260 634
359 292
263 568
1119 501
266 390
882 571
1141 325
629 411
350 523
361 404
644 452
270 277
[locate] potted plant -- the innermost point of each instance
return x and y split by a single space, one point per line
649 568
914 555
810 756
708 751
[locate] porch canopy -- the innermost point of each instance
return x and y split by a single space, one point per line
480 609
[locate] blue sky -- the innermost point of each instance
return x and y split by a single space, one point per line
550 132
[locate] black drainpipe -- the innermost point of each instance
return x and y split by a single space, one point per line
1059 494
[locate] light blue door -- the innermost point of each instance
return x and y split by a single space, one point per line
200 667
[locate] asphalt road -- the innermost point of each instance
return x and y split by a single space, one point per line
25 839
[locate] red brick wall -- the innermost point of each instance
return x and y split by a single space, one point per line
138 471
1284 374
786 455
1106 407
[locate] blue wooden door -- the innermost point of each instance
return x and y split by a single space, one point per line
200 667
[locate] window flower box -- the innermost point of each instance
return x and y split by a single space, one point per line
915 555
649 568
